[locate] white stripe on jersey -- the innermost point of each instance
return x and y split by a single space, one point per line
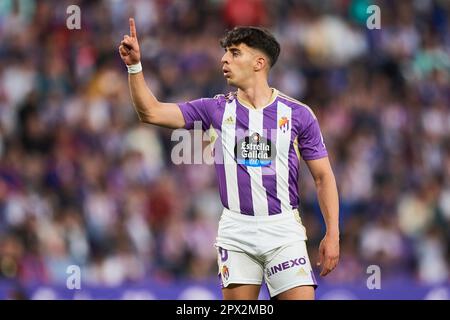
259 195
230 166
282 157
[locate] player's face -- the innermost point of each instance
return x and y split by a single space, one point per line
238 64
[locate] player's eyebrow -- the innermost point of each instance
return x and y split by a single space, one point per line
233 50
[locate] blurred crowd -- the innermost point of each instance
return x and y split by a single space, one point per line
82 182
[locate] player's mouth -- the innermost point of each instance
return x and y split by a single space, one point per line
226 72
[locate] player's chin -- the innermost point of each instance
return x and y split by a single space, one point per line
232 83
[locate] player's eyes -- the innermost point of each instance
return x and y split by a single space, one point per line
233 52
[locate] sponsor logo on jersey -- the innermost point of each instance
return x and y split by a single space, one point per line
255 151
229 120
286 265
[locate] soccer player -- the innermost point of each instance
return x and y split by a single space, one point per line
262 133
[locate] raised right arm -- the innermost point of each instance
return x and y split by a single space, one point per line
148 108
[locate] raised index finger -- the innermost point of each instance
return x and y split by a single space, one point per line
132 28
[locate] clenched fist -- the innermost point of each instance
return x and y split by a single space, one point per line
129 46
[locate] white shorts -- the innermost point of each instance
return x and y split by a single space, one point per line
253 248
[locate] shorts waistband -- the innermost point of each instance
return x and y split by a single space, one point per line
253 218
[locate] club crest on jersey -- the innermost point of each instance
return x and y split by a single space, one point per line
225 272
255 151
283 124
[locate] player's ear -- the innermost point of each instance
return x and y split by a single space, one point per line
260 63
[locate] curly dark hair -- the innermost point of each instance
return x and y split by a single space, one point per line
254 37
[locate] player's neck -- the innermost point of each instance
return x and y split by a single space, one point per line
257 96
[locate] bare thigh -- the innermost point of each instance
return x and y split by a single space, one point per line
297 293
241 292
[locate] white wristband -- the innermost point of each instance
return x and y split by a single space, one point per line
134 68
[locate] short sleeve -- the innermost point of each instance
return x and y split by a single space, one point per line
310 142
197 111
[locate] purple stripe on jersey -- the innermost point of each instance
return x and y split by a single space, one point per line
243 178
220 170
269 176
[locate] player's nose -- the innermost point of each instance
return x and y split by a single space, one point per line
224 58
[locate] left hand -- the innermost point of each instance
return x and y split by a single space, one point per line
328 254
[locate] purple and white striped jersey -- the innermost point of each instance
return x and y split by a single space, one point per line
257 151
